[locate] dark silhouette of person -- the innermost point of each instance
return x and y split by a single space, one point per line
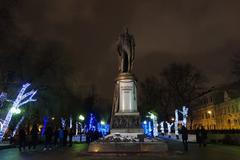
202 137
22 138
70 137
88 136
95 135
48 138
56 136
198 136
34 137
12 139
185 138
65 135
61 136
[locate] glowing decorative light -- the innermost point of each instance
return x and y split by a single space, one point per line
209 112
147 128
162 127
103 128
81 117
63 122
103 122
45 121
92 123
176 123
53 118
70 122
172 119
22 98
3 97
17 126
185 115
150 129
169 125
153 117
76 128
15 110
144 122
1 125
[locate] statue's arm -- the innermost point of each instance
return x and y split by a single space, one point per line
133 49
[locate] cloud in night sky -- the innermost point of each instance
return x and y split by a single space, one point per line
204 33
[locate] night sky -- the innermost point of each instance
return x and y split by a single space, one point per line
202 32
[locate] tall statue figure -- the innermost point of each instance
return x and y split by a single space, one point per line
126 51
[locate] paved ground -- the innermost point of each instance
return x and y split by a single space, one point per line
78 152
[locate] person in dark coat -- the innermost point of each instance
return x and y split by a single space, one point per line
22 139
56 136
34 137
70 137
65 135
198 136
48 138
185 138
61 136
203 137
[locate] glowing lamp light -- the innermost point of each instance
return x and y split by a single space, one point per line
53 118
152 116
145 122
81 118
172 119
15 110
209 112
102 122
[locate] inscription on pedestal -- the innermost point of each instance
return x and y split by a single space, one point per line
128 101
124 121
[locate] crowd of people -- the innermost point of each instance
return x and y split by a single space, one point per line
62 137
52 137
201 137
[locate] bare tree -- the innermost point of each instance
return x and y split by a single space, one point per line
177 85
185 81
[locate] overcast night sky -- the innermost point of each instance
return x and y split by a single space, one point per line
202 32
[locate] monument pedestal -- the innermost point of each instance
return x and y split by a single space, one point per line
126 123
125 117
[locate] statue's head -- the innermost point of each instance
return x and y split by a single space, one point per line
125 30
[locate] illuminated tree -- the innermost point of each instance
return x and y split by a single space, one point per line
22 99
169 126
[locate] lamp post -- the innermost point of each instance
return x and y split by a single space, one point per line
81 119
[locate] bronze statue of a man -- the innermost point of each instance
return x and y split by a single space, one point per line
126 51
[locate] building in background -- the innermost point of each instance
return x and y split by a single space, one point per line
219 109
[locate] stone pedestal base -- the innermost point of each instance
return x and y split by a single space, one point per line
126 123
121 147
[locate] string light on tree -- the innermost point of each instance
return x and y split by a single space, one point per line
169 126
22 99
17 126
185 115
176 123
153 117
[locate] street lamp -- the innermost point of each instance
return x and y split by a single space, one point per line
102 122
209 112
15 110
81 118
